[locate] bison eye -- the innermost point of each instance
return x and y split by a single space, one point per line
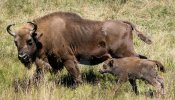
29 42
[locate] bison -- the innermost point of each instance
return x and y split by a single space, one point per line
63 39
132 68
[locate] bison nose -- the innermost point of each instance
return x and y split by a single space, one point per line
23 56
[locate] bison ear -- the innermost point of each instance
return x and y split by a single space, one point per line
37 35
34 34
111 63
40 35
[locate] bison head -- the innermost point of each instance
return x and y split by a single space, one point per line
26 42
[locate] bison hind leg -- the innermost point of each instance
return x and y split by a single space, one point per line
73 69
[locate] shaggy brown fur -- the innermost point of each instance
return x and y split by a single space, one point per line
132 68
62 38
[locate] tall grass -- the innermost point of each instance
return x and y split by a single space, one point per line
154 17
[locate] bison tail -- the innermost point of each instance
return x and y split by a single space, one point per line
160 66
139 34
143 37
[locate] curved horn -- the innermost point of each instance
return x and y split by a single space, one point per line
34 27
9 30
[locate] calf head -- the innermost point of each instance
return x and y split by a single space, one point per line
26 42
107 67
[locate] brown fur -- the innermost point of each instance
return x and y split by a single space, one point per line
61 38
132 68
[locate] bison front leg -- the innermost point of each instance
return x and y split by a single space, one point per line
72 68
42 66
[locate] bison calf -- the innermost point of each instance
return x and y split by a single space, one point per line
132 68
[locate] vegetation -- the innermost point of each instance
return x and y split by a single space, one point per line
153 17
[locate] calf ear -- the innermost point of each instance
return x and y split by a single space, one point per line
111 62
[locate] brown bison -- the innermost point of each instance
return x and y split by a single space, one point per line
62 39
132 68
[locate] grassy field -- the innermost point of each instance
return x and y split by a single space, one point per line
156 18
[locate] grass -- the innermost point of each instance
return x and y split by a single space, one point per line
154 17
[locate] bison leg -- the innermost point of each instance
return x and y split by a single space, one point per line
73 69
41 67
43 64
134 86
38 75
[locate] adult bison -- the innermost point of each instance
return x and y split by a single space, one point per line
62 39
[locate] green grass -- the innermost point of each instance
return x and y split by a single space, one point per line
153 17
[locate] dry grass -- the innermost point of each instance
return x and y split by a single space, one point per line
154 17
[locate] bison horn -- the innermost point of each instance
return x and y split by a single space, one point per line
34 27
9 30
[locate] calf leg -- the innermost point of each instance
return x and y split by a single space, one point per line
134 86
161 81
122 79
156 84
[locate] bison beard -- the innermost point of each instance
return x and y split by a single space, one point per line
66 36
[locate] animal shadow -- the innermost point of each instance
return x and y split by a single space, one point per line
90 77
66 80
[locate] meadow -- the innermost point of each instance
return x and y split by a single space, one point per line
156 18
